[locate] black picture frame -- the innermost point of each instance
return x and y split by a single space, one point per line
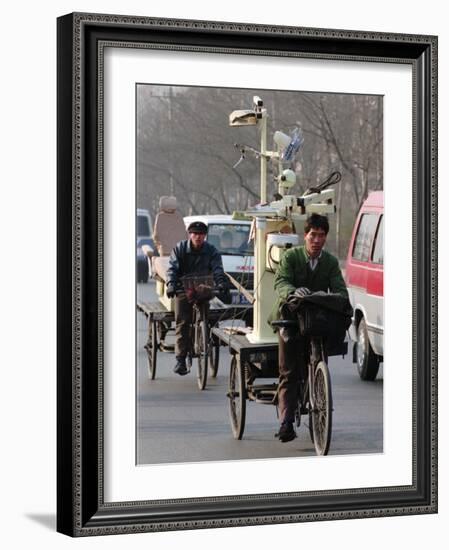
81 510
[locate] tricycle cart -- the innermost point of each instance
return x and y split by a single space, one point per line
160 322
253 362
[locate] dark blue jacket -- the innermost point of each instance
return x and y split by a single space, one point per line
184 260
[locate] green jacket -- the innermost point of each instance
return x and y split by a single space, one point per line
294 272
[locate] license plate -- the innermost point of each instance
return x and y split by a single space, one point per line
238 299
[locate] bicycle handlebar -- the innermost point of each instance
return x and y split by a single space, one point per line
213 292
284 323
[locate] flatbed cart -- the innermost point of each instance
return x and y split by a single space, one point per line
160 322
253 362
248 362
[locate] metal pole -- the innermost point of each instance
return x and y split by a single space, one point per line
263 159
170 147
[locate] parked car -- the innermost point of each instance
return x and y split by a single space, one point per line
230 237
144 231
364 279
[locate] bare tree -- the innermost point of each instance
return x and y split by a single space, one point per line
186 147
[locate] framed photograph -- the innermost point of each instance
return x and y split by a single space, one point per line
195 121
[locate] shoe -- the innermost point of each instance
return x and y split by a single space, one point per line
286 432
180 367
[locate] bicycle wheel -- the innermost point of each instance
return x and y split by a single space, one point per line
189 361
151 349
322 409
237 398
201 337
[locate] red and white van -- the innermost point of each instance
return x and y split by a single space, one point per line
365 282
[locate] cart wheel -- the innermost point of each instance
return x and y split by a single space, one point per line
214 357
151 349
201 334
322 409
237 398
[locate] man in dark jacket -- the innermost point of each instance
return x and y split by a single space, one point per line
302 270
194 256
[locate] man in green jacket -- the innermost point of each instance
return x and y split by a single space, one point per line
302 270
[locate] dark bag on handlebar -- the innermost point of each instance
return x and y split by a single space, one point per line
318 321
313 321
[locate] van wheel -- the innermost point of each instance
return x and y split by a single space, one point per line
367 360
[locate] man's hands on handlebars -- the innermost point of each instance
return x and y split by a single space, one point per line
301 292
202 292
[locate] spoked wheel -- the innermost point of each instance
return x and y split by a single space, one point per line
237 398
322 409
189 361
151 349
214 357
202 353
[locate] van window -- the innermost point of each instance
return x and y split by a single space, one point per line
378 254
143 228
365 236
231 239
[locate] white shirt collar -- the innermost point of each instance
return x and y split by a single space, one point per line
313 262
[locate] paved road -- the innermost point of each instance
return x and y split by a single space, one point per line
177 422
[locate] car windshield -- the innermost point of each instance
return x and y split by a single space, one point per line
230 239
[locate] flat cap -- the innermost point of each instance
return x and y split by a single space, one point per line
197 227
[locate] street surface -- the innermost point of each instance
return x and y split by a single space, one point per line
176 422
